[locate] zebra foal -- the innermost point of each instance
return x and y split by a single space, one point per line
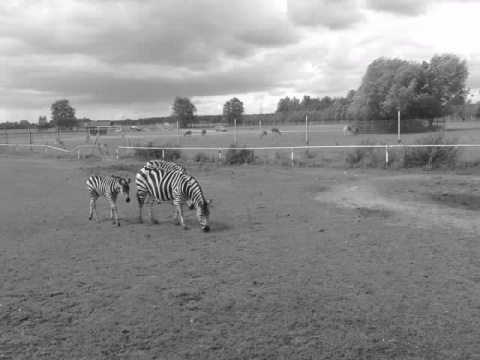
110 187
156 184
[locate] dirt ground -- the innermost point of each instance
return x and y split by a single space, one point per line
300 264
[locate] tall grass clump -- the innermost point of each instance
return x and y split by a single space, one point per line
432 157
161 151
368 157
239 156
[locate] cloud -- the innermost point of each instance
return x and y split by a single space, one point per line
332 14
399 7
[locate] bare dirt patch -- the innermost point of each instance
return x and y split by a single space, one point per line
281 275
416 200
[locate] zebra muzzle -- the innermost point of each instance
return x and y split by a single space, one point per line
128 200
206 228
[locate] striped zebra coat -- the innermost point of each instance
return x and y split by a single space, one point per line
110 187
168 166
179 187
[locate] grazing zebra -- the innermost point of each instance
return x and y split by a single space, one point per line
110 187
204 132
160 185
276 131
187 133
168 166
59 143
164 165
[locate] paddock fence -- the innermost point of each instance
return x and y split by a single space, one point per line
299 155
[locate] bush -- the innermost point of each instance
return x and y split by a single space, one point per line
147 154
239 156
367 156
201 157
432 156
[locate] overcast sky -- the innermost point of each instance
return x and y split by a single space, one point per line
115 59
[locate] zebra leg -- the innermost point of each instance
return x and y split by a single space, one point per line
93 209
179 212
113 210
150 202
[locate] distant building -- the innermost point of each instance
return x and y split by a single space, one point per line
99 126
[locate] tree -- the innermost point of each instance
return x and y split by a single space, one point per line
184 110
233 109
63 115
24 124
42 122
445 83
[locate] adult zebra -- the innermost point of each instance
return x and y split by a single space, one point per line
110 187
164 165
156 184
168 166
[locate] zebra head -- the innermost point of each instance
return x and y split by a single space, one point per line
124 187
203 214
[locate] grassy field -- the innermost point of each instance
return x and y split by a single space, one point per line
300 264
319 135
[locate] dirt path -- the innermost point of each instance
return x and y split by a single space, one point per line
414 200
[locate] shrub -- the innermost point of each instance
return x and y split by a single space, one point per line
239 156
170 154
432 156
283 158
367 156
201 157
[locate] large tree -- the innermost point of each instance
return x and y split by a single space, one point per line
184 110
233 109
424 90
63 115
445 83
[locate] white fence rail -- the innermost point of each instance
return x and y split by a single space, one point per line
220 150
46 147
293 148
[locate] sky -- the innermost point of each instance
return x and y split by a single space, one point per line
119 59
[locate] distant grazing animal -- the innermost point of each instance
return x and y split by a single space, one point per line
204 132
102 148
355 130
276 131
262 134
59 143
347 130
160 185
187 133
110 187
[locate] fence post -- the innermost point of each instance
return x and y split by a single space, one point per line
78 153
6 135
46 150
30 135
292 156
116 152
220 154
163 153
386 155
